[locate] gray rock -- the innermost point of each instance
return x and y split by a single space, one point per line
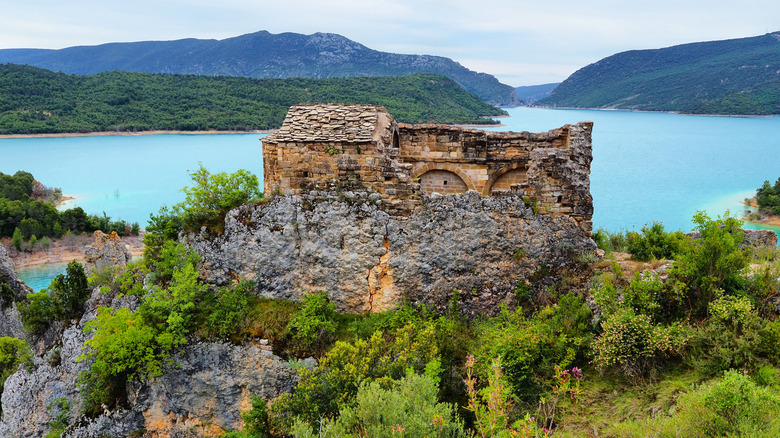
10 324
369 260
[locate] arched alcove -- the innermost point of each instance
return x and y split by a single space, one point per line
442 181
506 178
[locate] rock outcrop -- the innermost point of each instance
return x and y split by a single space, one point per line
369 260
750 239
9 277
201 395
10 324
107 250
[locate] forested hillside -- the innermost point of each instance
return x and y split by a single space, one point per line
259 55
739 77
34 100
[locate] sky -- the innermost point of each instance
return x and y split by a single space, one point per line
520 42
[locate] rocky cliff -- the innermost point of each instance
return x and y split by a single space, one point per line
368 260
201 395
13 289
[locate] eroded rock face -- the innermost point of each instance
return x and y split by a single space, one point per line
106 251
368 260
10 325
201 395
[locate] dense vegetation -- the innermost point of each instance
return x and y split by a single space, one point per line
259 55
34 101
739 76
28 214
768 197
690 349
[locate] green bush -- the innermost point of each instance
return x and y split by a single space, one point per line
213 195
63 299
408 408
654 243
313 327
633 344
13 352
732 406
530 348
333 385
730 339
129 345
710 266
228 313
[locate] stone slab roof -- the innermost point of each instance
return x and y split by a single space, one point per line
329 123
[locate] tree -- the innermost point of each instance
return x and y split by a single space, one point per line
212 196
710 266
17 239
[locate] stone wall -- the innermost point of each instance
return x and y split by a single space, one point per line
329 147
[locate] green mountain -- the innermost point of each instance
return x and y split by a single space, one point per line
259 55
34 100
739 76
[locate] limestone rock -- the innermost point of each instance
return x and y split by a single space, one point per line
9 276
10 324
751 238
201 395
369 260
106 250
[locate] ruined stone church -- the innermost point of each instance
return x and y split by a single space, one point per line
321 147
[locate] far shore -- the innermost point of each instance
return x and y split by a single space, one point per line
128 134
62 251
766 218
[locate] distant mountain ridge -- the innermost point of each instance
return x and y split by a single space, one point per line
259 55
532 93
734 77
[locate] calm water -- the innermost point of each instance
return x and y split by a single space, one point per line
128 177
665 167
646 166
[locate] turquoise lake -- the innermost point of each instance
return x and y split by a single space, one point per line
646 166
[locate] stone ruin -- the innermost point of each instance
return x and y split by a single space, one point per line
378 213
325 147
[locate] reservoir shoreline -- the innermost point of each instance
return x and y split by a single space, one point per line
128 134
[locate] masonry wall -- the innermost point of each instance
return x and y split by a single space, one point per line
550 170
301 167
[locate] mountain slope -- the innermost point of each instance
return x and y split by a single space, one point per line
259 55
532 93
739 76
33 100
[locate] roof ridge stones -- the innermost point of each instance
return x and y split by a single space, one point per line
330 123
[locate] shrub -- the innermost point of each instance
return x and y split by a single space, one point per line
710 266
631 342
654 243
63 299
331 386
730 339
732 406
530 349
313 326
13 352
227 314
213 195
408 408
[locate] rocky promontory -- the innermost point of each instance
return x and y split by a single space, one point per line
466 245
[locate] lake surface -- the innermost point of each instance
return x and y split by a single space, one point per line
646 166
128 177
